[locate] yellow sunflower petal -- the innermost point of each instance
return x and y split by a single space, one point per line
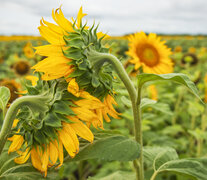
81 129
16 144
73 88
24 156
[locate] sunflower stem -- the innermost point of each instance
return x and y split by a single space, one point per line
12 112
97 60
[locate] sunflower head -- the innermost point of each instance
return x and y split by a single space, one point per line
189 59
21 67
95 81
178 49
62 117
192 50
149 53
67 54
13 86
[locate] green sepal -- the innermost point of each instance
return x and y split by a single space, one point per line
64 118
95 81
68 96
76 73
28 138
52 120
40 137
73 53
50 132
76 42
62 107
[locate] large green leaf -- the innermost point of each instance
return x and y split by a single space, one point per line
4 98
166 160
176 77
11 171
145 102
114 147
120 175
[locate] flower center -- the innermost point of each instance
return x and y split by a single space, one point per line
22 67
148 55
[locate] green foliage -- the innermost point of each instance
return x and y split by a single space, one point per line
110 148
176 77
167 160
11 171
4 98
121 175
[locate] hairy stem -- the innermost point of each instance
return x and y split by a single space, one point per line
12 112
97 60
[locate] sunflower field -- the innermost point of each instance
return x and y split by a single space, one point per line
78 104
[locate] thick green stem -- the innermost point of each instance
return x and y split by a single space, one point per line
138 132
97 59
12 112
177 106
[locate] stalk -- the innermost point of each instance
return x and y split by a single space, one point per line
97 60
31 101
177 106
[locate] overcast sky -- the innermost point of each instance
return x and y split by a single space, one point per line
117 17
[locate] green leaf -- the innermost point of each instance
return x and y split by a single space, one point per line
176 77
120 175
145 102
11 171
194 168
162 107
4 98
156 156
115 147
166 160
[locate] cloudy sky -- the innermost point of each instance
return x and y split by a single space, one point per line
117 17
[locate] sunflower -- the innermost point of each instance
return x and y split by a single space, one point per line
192 50
65 59
56 65
49 153
28 51
149 53
178 49
13 86
21 67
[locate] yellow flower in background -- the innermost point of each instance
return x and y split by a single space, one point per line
28 51
153 92
192 50
150 53
178 49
